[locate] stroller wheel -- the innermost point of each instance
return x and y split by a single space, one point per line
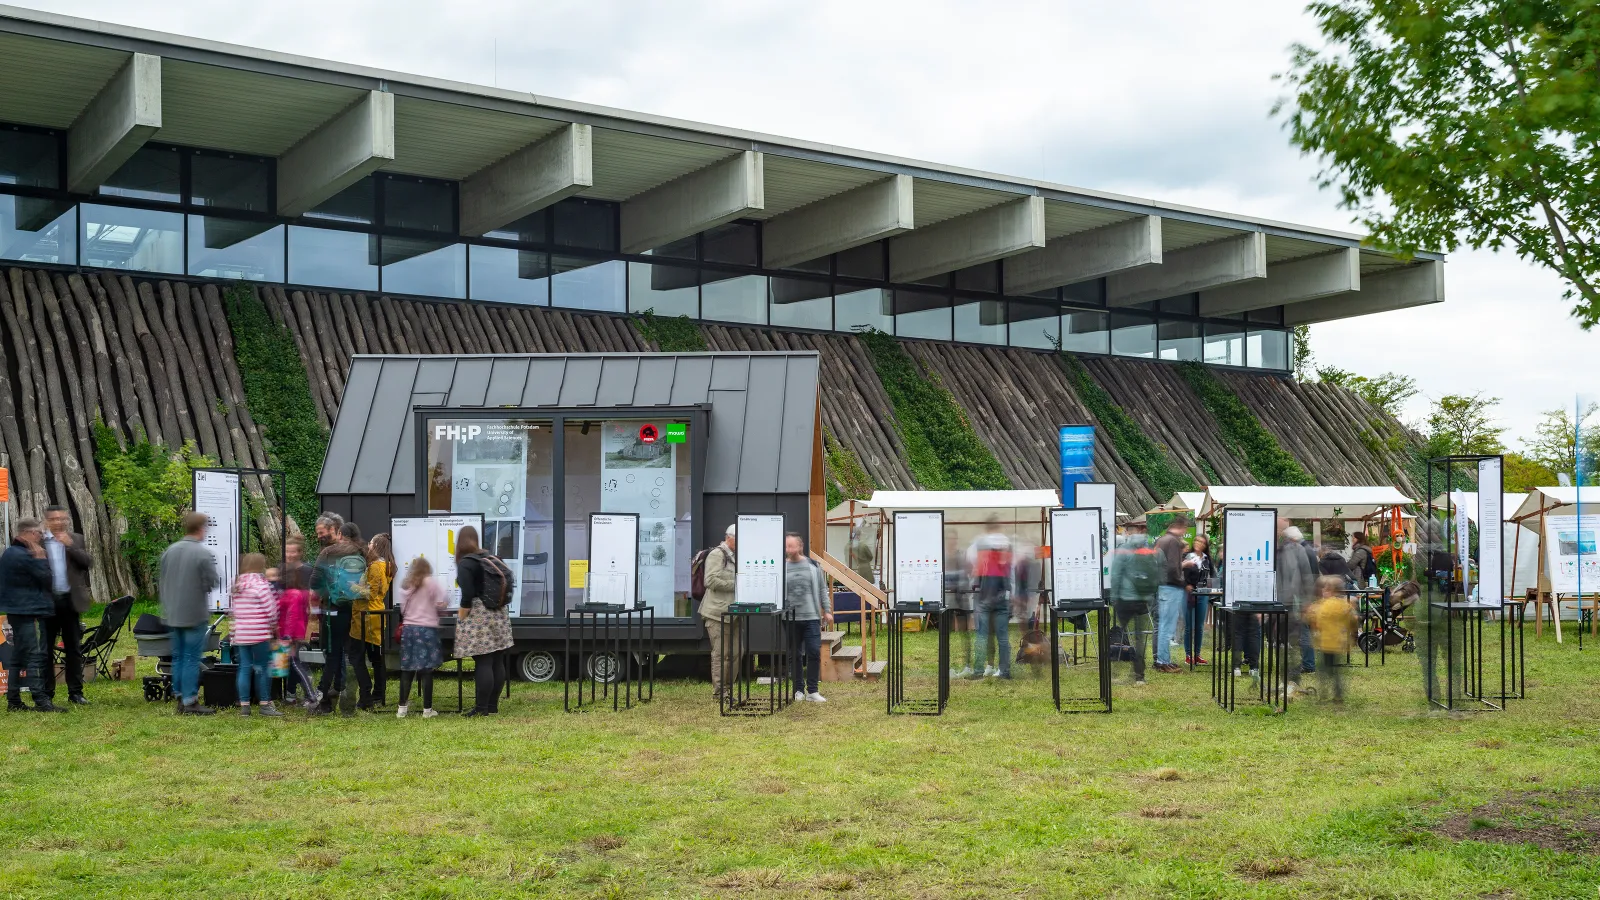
1370 642
1410 644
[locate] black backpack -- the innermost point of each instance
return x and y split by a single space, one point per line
496 588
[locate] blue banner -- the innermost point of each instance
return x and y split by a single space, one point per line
1076 443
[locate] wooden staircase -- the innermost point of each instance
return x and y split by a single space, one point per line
841 663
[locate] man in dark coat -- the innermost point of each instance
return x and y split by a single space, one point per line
69 559
26 602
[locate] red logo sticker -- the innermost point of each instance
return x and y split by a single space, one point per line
648 434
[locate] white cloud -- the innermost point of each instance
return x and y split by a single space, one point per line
1159 99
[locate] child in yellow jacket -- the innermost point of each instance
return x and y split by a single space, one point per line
1333 624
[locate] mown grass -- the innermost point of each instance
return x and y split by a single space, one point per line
1167 797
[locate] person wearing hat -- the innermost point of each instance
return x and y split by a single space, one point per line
720 568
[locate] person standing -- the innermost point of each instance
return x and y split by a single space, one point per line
1135 575
805 594
1171 592
483 626
366 626
188 574
336 586
422 599
1197 571
27 602
1295 578
69 581
990 558
1334 621
1363 568
720 567
253 616
294 616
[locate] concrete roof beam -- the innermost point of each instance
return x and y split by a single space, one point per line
115 124
1086 255
970 240
342 151
712 196
528 180
1323 275
1229 261
1400 288
868 213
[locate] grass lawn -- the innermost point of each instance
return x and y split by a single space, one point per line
1167 797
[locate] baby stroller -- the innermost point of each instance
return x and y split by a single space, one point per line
1380 622
154 641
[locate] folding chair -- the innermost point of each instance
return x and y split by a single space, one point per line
100 641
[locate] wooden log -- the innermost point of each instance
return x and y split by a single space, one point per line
155 361
534 323
246 436
400 325
337 340
196 353
44 483
143 383
134 424
87 322
150 313
316 360
73 339
359 328
15 408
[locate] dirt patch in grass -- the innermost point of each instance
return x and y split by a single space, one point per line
1568 821
1166 812
1266 869
604 842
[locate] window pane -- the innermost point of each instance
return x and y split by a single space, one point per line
669 290
142 240
1085 332
921 315
857 310
865 261
1036 325
419 205
533 228
741 298
503 275
1085 293
30 159
230 182
1183 305
1179 340
422 266
1133 335
802 304
1269 350
984 278
1224 345
36 230
981 321
733 243
586 223
151 173
504 473
229 248
582 283
326 258
355 203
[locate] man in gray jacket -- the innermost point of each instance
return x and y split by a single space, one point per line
720 571
1296 584
805 593
188 574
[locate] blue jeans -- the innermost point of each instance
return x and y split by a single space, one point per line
1169 606
255 663
1194 627
1308 656
808 654
997 618
187 645
27 652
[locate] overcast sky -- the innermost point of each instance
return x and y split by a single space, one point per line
1168 100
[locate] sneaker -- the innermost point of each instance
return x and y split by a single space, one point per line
400 711
267 709
16 706
815 697
78 699
47 706
195 709
990 671
963 672
1201 661
1188 660
799 696
1293 690
1137 682
245 711
1236 672
429 713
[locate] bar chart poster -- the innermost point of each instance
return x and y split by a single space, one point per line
758 580
1075 553
919 557
1076 445
1102 496
1248 539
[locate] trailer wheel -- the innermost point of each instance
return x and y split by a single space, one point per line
537 666
604 667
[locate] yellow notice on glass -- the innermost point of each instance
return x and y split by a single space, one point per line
577 573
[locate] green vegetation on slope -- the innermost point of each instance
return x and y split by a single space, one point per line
1243 432
672 334
1142 456
846 480
148 486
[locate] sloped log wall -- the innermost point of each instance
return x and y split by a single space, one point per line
1167 410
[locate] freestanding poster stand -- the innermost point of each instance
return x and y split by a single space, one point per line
1251 619
757 601
612 624
919 591
432 538
1075 591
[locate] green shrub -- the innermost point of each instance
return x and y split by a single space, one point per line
1141 454
942 451
278 393
1243 432
672 334
149 486
846 479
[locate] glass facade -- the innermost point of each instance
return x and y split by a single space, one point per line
172 210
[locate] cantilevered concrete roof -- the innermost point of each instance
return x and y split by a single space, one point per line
513 151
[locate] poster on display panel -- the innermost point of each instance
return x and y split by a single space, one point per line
758 554
1572 553
613 578
432 538
638 474
1075 557
919 558
1491 531
1249 538
216 495
1099 495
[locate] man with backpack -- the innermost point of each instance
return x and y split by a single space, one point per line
1136 571
712 574
336 582
1363 568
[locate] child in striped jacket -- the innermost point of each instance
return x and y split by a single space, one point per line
253 609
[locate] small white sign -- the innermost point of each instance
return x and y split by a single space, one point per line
758 579
216 494
1075 557
919 557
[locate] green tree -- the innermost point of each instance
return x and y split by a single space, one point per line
1555 440
1523 474
1300 347
1452 121
1461 425
1388 392
149 486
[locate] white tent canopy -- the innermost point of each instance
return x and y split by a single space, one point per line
1557 501
1182 501
984 500
1509 503
1317 502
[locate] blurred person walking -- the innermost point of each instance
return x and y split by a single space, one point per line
70 562
27 602
422 599
294 616
718 567
188 573
1171 592
483 626
253 619
336 585
1197 572
1296 581
366 625
990 558
805 592
1135 576
1333 621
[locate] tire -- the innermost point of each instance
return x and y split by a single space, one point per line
604 667
1371 642
1410 644
537 666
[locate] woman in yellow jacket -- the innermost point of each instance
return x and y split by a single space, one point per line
366 631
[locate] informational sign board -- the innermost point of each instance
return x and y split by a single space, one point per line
1458 508
613 559
433 538
1572 553
1075 555
758 578
1491 531
1249 539
216 495
1099 495
919 557
1076 446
